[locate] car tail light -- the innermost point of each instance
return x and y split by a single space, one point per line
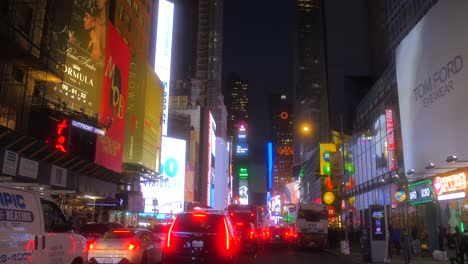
286 234
251 234
131 246
90 246
169 234
227 235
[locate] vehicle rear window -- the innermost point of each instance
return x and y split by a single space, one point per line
312 216
161 228
119 234
191 223
276 229
93 228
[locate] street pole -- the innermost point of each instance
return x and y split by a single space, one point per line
343 186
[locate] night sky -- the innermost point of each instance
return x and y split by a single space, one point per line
258 46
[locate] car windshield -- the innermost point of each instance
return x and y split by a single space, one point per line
119 234
199 224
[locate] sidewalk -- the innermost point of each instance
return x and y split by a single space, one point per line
356 257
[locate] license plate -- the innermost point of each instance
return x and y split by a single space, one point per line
277 235
197 244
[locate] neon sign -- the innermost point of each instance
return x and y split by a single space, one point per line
451 183
390 139
61 139
284 115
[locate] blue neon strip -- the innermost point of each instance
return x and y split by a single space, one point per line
270 164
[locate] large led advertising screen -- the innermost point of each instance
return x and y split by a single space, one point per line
169 189
432 92
162 64
109 147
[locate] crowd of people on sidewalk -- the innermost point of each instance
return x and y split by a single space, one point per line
452 243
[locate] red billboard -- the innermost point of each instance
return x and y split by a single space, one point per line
109 148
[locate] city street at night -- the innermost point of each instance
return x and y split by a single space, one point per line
290 255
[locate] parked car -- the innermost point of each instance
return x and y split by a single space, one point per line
137 246
35 230
201 236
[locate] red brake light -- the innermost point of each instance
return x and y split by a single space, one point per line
286 234
227 235
91 246
251 234
251 214
169 235
131 246
121 231
199 215
239 223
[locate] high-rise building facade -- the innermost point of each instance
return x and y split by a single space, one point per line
310 94
375 150
282 138
238 131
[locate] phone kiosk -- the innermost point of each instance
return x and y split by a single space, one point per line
378 239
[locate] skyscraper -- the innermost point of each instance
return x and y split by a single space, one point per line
282 139
238 129
310 93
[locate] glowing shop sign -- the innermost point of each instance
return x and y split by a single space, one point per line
61 139
88 128
451 183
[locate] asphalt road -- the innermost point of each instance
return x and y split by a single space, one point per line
292 256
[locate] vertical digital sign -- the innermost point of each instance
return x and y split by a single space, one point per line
162 63
211 158
390 139
270 165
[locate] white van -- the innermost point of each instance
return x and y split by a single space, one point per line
33 229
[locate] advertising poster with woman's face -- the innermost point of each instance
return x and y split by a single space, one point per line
78 42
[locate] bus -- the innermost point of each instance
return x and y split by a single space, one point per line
311 224
243 213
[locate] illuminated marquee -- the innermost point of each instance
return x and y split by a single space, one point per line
451 183
450 187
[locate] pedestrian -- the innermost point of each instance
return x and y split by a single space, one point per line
442 233
390 240
452 248
406 246
464 246
460 252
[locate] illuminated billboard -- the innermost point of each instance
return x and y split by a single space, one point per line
169 189
82 71
242 149
326 150
162 63
243 191
143 122
432 77
109 148
211 159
